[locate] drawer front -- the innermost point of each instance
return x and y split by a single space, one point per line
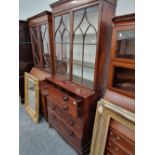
121 141
115 149
108 152
69 121
65 102
68 134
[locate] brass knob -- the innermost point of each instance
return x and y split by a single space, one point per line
74 103
71 122
65 107
118 138
116 149
66 98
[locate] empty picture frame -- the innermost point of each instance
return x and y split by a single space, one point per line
32 96
104 113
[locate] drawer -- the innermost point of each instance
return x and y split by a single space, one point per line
108 152
68 134
70 122
115 149
65 102
121 141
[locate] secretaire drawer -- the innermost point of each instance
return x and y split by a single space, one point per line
64 101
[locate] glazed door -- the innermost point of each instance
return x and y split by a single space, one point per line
41 46
62 45
35 45
45 46
85 33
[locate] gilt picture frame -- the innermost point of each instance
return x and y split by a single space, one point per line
32 96
104 113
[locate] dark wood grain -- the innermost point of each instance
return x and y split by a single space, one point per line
25 55
80 125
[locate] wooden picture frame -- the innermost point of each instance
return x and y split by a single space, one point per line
32 86
104 113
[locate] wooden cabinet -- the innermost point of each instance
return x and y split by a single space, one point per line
40 27
81 39
121 82
25 55
41 37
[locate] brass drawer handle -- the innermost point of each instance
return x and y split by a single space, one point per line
66 98
118 138
116 149
71 122
65 107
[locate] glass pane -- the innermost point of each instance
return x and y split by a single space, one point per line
92 15
77 52
78 36
66 38
66 21
35 42
90 37
78 15
57 22
62 68
90 54
62 60
77 73
85 40
124 79
45 45
58 37
58 51
125 45
88 77
31 95
62 45
66 51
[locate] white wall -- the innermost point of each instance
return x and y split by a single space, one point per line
28 8
125 7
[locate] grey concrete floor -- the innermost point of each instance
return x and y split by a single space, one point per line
38 139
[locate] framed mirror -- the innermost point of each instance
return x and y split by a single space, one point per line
32 96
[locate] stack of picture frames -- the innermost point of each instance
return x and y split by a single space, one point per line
107 141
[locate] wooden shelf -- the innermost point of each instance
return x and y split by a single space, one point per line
85 82
78 62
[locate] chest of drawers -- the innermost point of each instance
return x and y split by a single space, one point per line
68 112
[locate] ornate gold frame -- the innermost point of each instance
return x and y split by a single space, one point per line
106 111
34 114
